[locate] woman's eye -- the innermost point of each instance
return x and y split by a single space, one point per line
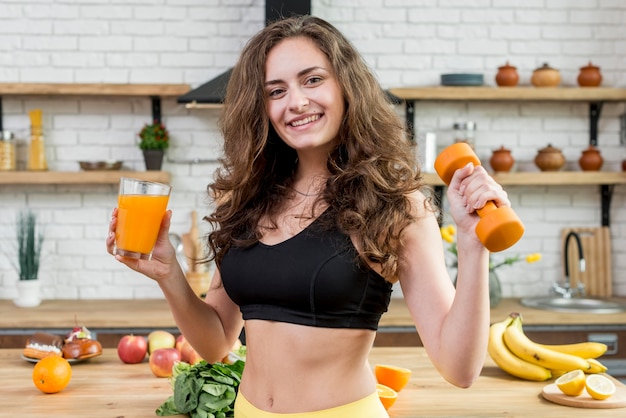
275 92
313 80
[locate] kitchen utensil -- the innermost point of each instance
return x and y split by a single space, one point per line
546 76
618 400
589 76
591 160
100 165
499 227
549 159
507 76
462 79
177 242
501 160
191 244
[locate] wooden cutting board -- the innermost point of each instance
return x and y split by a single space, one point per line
597 277
618 400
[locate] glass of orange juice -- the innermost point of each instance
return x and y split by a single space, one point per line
141 206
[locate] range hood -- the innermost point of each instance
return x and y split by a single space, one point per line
211 94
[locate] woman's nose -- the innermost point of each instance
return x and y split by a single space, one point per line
298 100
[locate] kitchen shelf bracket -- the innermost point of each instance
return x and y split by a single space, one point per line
606 193
595 109
156 108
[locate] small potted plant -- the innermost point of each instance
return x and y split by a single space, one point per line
29 243
153 141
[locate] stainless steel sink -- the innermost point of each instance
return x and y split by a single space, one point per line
575 304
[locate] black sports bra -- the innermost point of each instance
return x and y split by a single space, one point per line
314 278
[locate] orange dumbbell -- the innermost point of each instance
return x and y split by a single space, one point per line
499 227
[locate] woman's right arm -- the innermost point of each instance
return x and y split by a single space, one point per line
211 325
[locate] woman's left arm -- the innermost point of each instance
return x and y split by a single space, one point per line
453 324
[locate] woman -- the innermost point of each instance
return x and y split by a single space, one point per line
319 209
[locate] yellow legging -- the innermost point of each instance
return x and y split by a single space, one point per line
368 407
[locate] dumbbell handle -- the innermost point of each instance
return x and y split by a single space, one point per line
499 227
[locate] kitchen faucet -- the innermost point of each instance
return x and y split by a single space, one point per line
566 290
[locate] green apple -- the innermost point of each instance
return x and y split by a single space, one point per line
160 339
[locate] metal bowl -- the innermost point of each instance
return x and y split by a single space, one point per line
100 165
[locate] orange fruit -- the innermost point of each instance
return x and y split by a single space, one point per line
571 383
392 376
599 387
386 395
52 374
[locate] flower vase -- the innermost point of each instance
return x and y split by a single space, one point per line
495 289
28 294
153 159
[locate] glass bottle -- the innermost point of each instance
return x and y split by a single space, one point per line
36 153
465 132
7 151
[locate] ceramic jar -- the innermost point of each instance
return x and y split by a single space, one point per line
546 76
623 165
591 160
507 76
501 160
550 159
589 76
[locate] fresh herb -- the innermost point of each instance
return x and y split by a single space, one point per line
203 390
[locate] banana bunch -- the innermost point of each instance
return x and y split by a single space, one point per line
515 353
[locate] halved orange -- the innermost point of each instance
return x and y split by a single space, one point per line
392 376
386 395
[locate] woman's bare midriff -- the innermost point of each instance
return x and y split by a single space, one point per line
296 363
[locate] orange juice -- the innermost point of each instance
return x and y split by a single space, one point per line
138 221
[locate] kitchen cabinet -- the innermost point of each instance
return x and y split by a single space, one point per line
594 96
154 91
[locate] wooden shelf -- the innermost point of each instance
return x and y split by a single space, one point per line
583 94
80 177
553 178
97 89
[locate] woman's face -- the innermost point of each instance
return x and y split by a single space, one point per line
302 95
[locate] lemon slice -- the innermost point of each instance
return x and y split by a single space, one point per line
599 387
571 383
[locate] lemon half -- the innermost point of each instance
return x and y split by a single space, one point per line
599 387
572 383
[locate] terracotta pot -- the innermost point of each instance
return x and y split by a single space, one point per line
591 160
501 160
507 76
546 76
549 159
589 76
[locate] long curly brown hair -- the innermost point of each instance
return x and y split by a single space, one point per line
373 166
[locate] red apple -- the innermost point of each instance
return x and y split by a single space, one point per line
162 360
132 349
180 341
160 339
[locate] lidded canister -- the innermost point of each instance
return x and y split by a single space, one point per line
465 132
7 151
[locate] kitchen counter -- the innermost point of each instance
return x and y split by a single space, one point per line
105 387
155 313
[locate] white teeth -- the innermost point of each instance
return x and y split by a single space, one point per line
305 120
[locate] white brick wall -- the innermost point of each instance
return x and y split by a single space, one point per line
191 41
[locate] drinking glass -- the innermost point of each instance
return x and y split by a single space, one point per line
141 206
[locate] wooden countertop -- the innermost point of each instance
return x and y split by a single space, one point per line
105 387
155 313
